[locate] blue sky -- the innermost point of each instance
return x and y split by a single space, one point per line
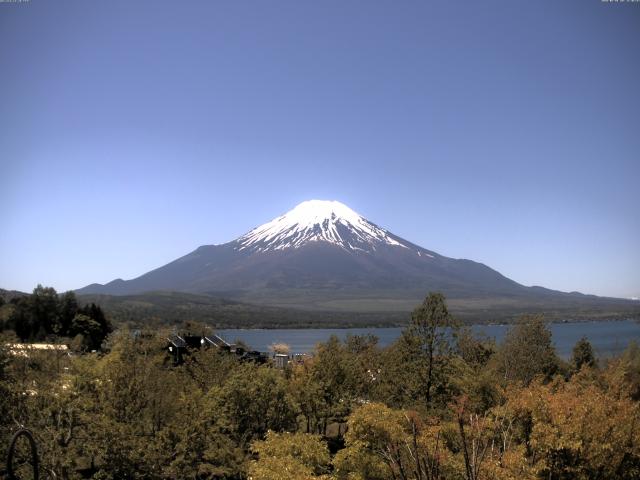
132 132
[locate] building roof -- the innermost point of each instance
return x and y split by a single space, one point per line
177 341
217 341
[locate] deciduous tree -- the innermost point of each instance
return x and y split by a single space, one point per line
527 351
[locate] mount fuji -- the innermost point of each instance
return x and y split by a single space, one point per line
322 255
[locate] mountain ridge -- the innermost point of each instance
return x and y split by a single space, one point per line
322 254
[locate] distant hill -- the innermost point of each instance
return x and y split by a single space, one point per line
324 257
7 295
155 309
169 308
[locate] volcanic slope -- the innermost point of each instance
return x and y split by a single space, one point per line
322 255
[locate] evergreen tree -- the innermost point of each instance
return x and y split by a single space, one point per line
527 351
94 312
68 309
431 333
583 354
21 320
475 351
87 332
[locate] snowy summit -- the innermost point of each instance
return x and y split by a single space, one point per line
318 221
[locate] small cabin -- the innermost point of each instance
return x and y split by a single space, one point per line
177 348
280 360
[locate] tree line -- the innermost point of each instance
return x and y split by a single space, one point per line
46 316
438 404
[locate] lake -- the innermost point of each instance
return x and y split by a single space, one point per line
607 337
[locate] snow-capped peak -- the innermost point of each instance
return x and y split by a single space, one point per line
317 221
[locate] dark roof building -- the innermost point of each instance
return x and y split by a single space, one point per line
180 345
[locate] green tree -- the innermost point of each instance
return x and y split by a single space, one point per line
364 365
527 351
253 400
209 367
475 351
21 320
309 397
96 313
583 354
86 332
137 401
68 308
332 374
475 380
44 310
430 337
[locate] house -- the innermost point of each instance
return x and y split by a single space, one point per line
180 345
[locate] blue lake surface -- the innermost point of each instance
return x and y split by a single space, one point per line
607 337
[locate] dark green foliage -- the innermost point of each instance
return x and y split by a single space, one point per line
21 320
86 332
333 375
583 354
95 333
253 400
420 368
473 350
45 314
68 308
429 336
339 375
474 376
527 351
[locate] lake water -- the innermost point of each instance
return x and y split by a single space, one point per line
607 337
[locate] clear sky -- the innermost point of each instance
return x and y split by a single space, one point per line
506 132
